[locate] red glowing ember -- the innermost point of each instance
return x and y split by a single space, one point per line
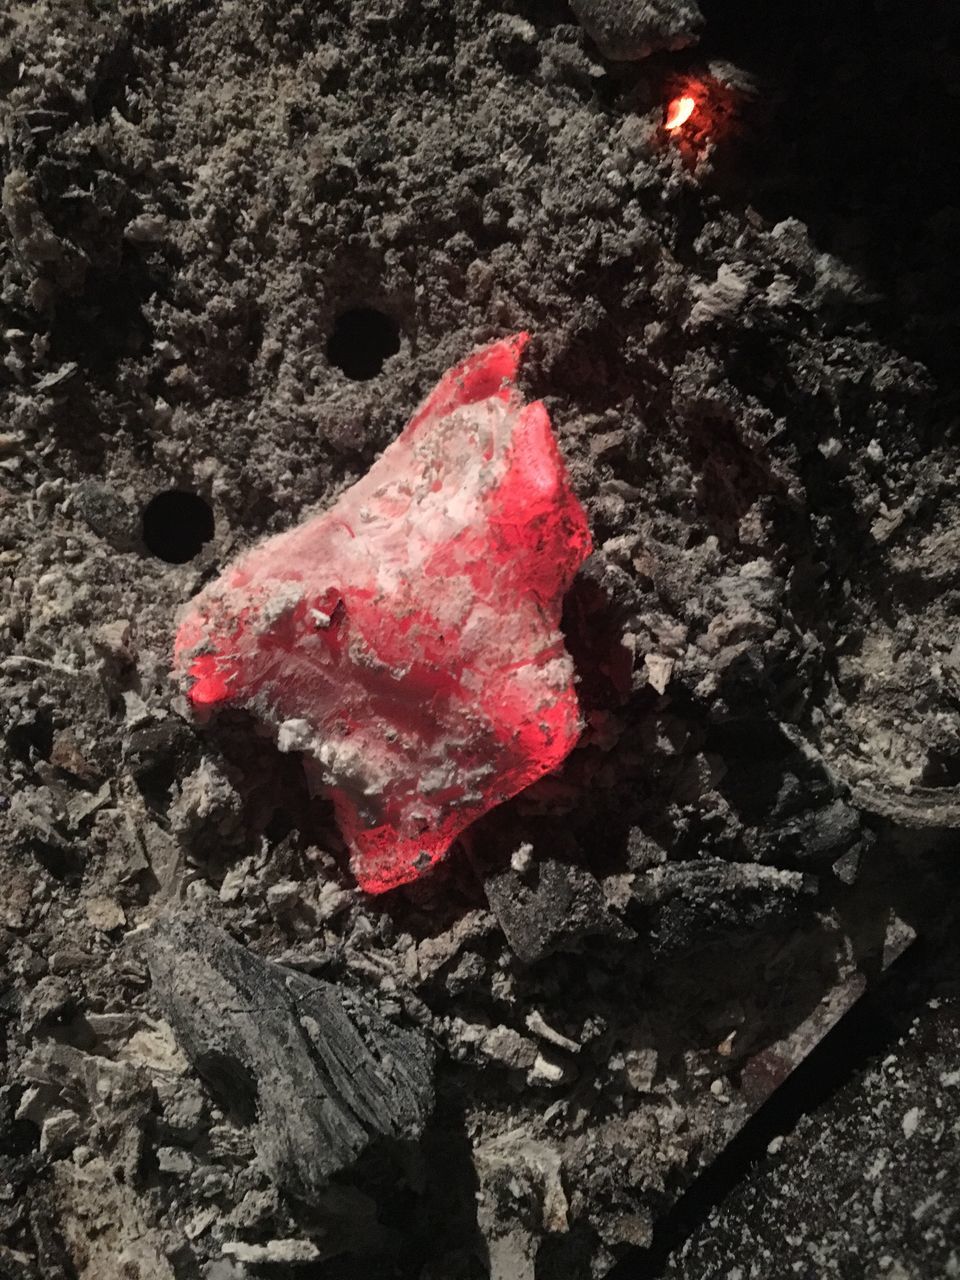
679 112
407 640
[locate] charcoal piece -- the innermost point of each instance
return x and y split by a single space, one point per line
823 835
847 866
690 903
552 907
631 29
159 752
108 514
789 801
315 1066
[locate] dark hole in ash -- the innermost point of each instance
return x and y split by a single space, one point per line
362 339
176 524
32 738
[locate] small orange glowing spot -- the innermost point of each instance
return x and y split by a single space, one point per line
679 112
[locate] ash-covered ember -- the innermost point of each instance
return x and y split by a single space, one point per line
408 638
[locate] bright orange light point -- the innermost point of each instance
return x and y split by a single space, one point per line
679 112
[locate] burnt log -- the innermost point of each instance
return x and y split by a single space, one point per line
316 1067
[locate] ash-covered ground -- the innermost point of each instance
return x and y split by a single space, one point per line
239 242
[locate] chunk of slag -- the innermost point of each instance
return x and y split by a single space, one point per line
408 639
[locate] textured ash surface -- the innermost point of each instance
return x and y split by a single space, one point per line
761 422
882 1155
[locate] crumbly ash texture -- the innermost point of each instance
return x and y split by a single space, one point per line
408 638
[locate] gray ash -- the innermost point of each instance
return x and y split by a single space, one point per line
746 335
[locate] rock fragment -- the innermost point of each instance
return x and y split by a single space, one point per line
553 908
408 640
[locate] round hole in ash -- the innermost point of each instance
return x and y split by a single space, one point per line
362 339
176 524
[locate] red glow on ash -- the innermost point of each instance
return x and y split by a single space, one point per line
679 112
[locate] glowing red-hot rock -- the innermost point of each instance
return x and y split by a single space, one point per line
408 638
